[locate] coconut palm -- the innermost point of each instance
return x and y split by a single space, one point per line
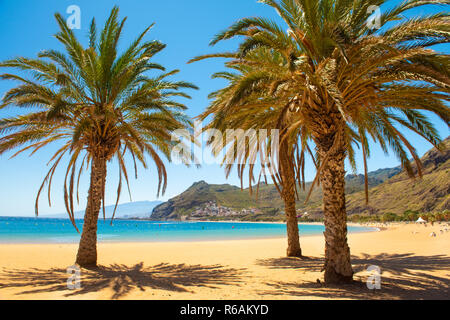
261 112
349 82
99 105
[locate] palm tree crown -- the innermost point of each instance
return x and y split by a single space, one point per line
338 81
97 102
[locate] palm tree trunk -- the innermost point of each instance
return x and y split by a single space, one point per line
87 250
338 268
288 195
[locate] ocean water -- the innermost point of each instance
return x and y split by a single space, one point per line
45 230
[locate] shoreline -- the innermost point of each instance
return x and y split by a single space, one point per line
413 264
364 229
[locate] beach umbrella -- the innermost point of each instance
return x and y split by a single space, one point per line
420 220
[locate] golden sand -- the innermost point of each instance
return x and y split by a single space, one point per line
413 265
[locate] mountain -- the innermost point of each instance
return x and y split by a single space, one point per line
399 193
138 209
391 190
266 205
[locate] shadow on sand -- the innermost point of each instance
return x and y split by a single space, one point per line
403 276
121 278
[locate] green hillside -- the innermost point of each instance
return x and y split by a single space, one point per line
391 191
268 202
400 193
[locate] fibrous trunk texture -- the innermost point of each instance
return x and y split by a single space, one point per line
338 268
87 250
288 195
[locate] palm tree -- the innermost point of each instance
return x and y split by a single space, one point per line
258 110
348 83
100 105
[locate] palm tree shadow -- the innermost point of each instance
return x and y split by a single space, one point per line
403 276
122 279
305 263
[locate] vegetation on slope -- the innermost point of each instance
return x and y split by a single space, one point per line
392 196
266 198
399 193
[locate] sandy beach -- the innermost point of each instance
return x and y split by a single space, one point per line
413 265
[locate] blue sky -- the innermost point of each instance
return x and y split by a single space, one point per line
27 27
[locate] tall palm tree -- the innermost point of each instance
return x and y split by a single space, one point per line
347 83
100 105
258 110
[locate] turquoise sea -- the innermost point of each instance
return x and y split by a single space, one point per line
45 230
